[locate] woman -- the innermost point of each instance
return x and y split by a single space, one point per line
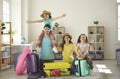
68 48
46 54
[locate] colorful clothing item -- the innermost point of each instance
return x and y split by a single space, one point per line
46 49
67 52
83 47
49 22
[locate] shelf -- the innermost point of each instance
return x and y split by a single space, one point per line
96 41
8 66
5 34
59 32
6 57
5 47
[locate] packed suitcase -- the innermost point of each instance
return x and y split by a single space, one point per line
35 67
82 67
57 68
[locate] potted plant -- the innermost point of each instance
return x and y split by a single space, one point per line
2 27
96 22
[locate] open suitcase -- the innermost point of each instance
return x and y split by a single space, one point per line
64 68
82 68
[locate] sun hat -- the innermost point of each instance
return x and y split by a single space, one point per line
45 12
67 34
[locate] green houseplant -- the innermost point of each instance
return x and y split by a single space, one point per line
2 27
96 22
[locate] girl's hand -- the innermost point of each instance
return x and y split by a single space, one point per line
78 56
28 21
83 57
63 15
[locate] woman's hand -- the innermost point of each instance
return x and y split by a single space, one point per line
28 21
63 15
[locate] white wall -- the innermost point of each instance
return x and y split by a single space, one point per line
1 9
24 25
16 19
80 15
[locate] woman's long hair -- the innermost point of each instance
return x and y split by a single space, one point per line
63 41
78 41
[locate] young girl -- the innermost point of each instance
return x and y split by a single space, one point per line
68 48
47 19
83 47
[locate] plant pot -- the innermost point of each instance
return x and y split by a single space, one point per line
1 32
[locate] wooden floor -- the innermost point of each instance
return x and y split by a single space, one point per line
103 69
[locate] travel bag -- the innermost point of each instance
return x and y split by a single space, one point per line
35 67
82 67
63 67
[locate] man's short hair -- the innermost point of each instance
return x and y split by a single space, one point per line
47 25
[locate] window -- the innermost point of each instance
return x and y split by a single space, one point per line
118 28
6 10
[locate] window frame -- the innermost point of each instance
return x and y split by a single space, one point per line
8 14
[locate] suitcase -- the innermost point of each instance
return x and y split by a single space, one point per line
47 72
64 72
118 55
57 65
32 61
82 68
64 67
35 67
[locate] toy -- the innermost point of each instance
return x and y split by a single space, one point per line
21 65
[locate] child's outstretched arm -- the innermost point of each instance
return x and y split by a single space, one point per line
63 15
35 21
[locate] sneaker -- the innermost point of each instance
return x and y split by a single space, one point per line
38 50
55 50
91 72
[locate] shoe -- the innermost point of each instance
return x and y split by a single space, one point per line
55 50
38 50
91 72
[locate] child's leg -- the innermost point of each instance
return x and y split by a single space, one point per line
53 38
53 41
89 61
40 39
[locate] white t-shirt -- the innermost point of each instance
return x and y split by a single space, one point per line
83 47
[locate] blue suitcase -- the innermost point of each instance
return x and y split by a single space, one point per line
82 67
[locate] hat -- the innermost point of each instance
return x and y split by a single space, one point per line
45 12
67 34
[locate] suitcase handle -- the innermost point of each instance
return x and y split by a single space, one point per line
34 51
